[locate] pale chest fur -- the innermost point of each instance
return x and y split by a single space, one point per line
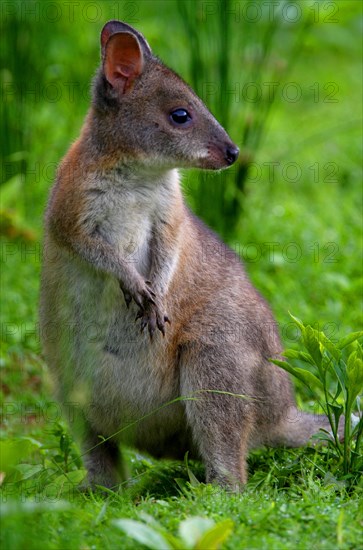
99 352
124 213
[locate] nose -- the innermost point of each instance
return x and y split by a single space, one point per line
231 154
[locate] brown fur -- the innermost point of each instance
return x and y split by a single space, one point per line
120 243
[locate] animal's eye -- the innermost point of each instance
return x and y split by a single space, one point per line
180 117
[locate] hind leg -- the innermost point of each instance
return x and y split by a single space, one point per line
102 459
220 423
103 462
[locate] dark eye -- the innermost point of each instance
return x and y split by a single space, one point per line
180 117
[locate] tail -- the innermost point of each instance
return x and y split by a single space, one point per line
296 428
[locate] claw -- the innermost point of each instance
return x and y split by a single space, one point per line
127 297
167 320
151 300
139 315
161 328
151 292
152 324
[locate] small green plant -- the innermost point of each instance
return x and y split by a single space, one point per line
194 533
335 370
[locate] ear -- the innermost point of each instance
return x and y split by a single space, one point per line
123 61
113 27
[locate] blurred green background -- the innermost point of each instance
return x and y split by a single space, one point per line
285 80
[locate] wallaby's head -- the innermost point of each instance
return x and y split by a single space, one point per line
145 111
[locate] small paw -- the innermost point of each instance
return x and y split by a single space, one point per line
150 311
141 293
152 318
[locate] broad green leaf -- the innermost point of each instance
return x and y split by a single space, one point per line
300 355
144 534
305 376
354 375
147 518
213 538
340 370
67 483
343 342
27 471
192 479
284 365
74 477
312 344
329 346
337 410
192 529
150 520
309 378
182 485
359 350
328 363
12 451
337 393
298 322
175 542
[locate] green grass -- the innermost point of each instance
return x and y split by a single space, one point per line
294 498
315 516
